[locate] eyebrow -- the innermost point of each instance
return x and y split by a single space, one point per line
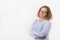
43 11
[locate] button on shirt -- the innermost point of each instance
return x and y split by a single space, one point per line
39 30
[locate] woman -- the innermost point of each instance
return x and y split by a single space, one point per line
40 27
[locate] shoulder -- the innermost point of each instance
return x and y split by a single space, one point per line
48 22
35 20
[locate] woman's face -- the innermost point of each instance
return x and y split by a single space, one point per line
43 12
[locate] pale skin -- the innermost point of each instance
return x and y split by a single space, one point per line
43 14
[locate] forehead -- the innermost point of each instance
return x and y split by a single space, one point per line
44 9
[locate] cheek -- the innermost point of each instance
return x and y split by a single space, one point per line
41 13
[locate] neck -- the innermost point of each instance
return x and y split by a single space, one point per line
42 19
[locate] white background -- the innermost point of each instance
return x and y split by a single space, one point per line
16 17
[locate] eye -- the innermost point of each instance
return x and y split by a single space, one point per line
45 12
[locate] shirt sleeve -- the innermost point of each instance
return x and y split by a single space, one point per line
44 31
31 31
